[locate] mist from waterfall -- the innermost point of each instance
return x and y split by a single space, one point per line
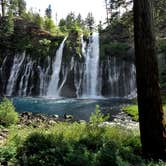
53 84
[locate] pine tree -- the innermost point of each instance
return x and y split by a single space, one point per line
153 136
90 21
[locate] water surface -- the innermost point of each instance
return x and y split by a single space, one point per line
79 108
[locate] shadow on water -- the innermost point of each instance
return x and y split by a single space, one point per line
79 108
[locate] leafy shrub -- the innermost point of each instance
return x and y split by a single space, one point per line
8 116
7 153
132 110
80 144
45 42
51 149
97 117
43 149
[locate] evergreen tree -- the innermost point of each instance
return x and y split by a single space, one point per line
49 25
79 20
7 28
62 25
70 21
153 136
90 21
21 7
38 20
48 12
13 6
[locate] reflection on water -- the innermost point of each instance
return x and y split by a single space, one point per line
79 108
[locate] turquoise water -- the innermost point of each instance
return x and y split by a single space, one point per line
79 108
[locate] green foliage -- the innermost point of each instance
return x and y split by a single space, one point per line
38 20
97 117
21 7
118 48
113 48
45 42
18 7
8 116
90 21
13 6
49 25
132 110
48 12
72 22
7 153
7 26
62 25
162 46
75 144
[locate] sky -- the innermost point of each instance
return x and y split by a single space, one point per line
64 7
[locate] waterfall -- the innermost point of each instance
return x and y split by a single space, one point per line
43 77
64 78
25 78
121 78
17 63
79 76
53 84
90 79
78 70
132 83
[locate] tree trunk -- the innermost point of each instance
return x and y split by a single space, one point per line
151 119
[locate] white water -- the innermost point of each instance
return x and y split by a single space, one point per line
90 79
78 70
43 76
17 63
121 77
53 84
25 78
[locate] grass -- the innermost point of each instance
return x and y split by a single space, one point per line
132 110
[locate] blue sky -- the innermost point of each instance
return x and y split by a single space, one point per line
63 7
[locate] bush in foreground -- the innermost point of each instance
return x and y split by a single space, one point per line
8 115
76 144
81 144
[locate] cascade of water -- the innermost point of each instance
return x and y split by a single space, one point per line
78 70
132 82
65 71
17 63
90 81
3 63
43 76
53 84
25 78
121 77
